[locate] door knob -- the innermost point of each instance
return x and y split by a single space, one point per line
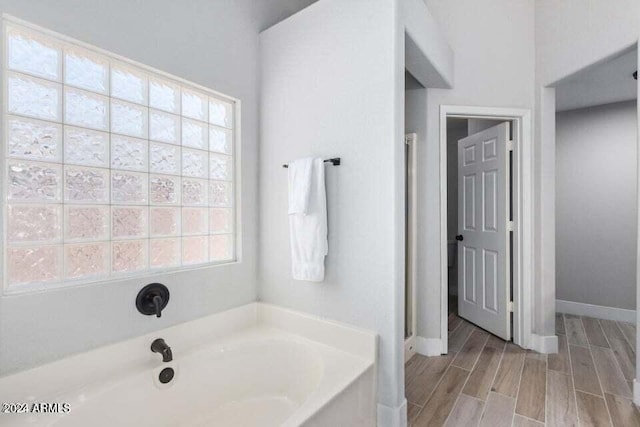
459 237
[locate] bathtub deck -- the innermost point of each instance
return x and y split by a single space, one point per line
258 365
487 382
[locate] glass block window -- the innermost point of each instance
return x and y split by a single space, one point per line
112 168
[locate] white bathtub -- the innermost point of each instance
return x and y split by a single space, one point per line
256 365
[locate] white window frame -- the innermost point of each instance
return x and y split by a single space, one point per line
236 206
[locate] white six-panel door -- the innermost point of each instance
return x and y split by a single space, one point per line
483 252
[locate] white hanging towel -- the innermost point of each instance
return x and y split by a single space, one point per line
300 185
307 219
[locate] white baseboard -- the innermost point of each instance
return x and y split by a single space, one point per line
545 344
392 417
428 346
597 311
636 392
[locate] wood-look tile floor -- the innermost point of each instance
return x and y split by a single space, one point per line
485 381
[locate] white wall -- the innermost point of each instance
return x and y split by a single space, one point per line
494 66
573 34
506 62
213 43
327 89
596 205
333 85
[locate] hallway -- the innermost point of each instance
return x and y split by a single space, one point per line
487 382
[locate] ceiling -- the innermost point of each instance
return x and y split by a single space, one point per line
604 83
410 82
270 12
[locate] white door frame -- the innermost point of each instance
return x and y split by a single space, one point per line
411 140
522 215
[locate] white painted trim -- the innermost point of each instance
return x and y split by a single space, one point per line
428 346
545 199
444 251
409 348
392 417
411 140
597 311
543 344
636 399
523 215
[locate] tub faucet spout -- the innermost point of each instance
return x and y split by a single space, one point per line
159 346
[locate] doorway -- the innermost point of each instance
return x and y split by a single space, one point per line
596 189
596 219
479 218
500 308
